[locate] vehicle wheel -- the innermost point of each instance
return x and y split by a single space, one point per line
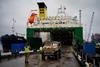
43 57
59 54
56 55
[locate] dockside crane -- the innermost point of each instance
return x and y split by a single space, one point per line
13 26
90 28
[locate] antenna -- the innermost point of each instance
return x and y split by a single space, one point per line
90 28
61 10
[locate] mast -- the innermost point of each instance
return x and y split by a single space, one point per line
80 16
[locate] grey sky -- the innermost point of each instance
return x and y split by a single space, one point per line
21 9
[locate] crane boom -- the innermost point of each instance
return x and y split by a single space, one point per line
90 28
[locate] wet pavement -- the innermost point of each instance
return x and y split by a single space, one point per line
67 60
13 62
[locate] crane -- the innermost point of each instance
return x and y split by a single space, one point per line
90 28
13 26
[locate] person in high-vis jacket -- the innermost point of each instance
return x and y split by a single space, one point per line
27 49
40 56
40 50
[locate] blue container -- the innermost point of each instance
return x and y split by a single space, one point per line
89 49
17 47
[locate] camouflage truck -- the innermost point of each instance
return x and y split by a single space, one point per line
51 49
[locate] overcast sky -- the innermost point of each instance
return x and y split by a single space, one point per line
21 9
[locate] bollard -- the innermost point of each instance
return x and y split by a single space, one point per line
0 56
90 65
94 62
99 64
87 65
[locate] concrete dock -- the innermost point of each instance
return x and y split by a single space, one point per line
67 60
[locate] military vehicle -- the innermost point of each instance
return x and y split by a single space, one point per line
51 49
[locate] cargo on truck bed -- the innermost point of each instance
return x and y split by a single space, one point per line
51 49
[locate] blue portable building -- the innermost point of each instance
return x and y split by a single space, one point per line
89 48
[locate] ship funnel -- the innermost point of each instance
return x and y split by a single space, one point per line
42 10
